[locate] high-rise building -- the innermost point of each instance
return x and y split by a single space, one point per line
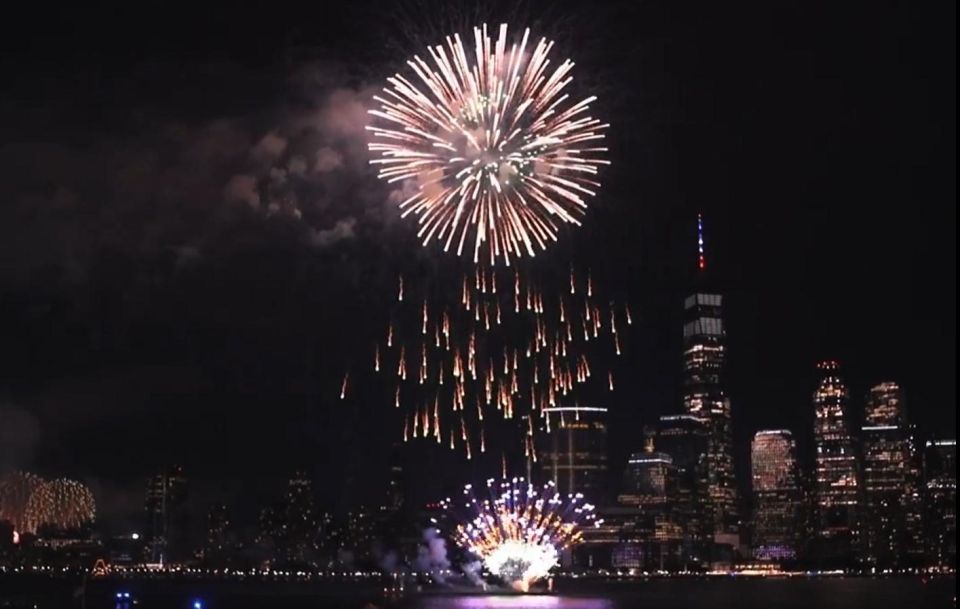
216 547
892 527
165 532
837 484
300 519
289 531
776 495
684 439
940 499
652 538
573 451
704 357
649 479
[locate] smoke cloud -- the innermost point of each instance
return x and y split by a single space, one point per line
153 180
19 434
432 556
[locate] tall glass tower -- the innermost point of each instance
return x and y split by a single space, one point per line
776 495
704 355
940 482
893 532
573 454
837 485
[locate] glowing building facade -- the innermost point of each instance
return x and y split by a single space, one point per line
573 453
654 537
649 480
776 495
684 440
704 359
940 489
837 484
704 354
165 507
892 515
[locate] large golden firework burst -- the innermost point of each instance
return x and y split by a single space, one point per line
489 145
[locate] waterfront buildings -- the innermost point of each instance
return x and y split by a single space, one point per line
573 450
837 478
776 495
892 526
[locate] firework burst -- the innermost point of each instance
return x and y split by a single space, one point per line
489 138
520 530
16 488
62 503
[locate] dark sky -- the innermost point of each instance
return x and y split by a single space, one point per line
192 244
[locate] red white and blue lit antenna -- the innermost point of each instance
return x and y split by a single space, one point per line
701 260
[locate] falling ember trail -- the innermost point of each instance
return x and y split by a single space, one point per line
343 386
489 362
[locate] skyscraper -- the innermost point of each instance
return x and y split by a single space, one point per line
653 536
166 516
837 484
704 355
649 479
288 528
776 495
684 438
301 519
216 548
573 451
940 482
892 531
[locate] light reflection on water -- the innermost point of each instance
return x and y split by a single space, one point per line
530 601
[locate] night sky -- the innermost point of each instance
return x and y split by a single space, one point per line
193 246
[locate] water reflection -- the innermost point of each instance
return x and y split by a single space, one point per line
530 601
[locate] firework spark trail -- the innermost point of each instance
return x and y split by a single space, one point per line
497 152
519 530
30 502
16 488
495 354
65 504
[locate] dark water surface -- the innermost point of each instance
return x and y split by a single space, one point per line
686 593
740 593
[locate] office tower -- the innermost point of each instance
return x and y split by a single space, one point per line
300 519
940 490
654 536
892 527
166 517
573 451
776 495
649 479
684 439
704 355
216 547
837 484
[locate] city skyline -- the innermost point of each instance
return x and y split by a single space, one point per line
883 407
195 251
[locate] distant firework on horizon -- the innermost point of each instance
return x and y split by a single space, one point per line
502 348
16 488
491 145
64 504
520 530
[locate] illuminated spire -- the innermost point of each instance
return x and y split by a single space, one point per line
701 259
